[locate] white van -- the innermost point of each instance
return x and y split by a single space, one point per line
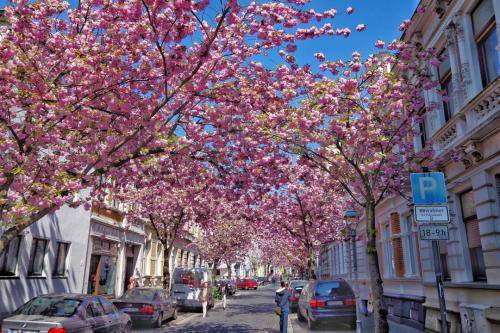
187 286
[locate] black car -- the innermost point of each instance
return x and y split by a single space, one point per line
67 313
296 287
327 301
147 305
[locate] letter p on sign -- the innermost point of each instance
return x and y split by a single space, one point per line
428 188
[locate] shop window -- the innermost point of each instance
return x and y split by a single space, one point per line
445 79
387 251
485 33
10 257
61 258
473 237
409 247
102 272
37 257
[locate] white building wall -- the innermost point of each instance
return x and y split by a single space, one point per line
68 225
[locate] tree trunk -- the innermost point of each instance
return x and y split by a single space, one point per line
378 302
20 225
214 269
310 263
166 268
228 269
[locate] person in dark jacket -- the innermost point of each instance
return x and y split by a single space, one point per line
282 299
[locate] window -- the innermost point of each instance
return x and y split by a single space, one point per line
444 72
49 306
108 307
9 258
409 246
38 248
473 237
485 34
62 253
387 250
97 309
422 128
153 258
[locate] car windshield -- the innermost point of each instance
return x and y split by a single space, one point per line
50 307
332 288
140 294
190 277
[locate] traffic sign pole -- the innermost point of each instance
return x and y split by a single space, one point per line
439 286
430 189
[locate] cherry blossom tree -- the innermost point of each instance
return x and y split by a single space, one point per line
85 90
306 212
166 194
356 120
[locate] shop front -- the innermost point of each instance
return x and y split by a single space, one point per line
103 267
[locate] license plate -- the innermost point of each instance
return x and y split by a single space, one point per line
331 303
130 310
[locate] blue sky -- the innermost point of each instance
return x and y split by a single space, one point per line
381 16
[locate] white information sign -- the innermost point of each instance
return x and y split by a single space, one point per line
433 232
435 213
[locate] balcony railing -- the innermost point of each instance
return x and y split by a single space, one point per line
471 118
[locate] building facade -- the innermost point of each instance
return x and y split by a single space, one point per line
45 258
115 251
465 133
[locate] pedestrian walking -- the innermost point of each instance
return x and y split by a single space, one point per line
204 297
224 292
282 299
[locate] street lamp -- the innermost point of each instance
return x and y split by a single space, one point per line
352 219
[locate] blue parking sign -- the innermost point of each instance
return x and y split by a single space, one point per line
428 188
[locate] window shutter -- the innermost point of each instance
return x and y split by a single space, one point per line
497 183
397 246
473 236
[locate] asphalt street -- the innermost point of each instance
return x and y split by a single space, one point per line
247 312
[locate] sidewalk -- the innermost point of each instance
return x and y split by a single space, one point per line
367 323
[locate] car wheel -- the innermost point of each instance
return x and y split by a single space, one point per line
158 321
310 324
128 327
175 315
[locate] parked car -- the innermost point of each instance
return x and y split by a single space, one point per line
327 301
187 286
147 305
262 280
67 313
296 287
247 283
231 285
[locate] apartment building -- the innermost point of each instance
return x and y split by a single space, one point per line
465 133
45 258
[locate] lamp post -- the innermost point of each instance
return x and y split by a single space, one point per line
352 219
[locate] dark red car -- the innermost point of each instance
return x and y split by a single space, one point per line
247 283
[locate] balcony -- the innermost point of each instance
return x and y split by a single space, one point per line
475 119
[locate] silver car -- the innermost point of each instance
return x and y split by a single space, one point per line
65 313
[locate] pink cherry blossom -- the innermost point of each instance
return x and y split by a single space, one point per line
361 27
